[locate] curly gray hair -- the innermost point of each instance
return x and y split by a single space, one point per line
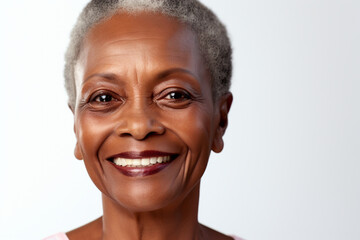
212 36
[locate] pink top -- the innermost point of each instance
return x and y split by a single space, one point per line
59 236
62 236
236 238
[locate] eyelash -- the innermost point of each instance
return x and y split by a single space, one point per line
105 99
103 95
171 97
174 98
183 95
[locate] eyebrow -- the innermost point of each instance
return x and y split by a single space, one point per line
113 77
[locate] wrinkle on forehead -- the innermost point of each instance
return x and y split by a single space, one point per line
163 38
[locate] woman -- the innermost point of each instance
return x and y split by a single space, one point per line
148 83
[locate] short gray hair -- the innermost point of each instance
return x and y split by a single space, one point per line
211 34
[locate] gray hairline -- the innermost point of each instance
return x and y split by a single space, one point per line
92 16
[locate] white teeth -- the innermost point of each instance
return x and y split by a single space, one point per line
120 161
140 162
136 162
159 159
123 162
145 161
153 160
128 162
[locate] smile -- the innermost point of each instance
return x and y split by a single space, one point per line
140 164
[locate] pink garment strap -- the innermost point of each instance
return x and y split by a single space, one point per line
236 238
59 236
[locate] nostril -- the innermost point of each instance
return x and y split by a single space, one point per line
139 128
125 134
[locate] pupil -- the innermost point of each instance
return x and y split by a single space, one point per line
175 95
105 98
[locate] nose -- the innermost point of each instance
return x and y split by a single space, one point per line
139 123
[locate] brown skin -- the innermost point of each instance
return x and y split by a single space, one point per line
157 96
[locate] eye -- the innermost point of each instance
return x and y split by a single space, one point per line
103 98
178 95
176 98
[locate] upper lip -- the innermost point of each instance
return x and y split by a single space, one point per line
141 154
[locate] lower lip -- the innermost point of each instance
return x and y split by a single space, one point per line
141 171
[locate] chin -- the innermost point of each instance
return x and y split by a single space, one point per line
143 199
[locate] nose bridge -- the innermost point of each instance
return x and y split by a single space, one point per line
138 120
138 111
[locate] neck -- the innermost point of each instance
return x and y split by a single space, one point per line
177 221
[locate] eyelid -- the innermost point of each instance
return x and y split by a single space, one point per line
167 91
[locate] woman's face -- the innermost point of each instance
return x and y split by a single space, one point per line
145 119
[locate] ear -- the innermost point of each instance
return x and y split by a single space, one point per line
224 104
77 150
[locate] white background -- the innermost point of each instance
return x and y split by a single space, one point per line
291 165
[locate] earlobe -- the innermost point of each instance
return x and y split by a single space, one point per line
218 144
222 121
77 152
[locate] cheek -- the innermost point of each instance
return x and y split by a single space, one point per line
195 129
91 134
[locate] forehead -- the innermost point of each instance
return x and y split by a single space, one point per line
161 41
126 26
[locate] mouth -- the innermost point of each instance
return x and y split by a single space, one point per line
139 164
